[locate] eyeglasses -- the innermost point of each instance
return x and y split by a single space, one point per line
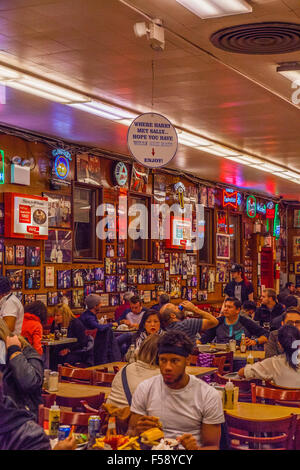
293 323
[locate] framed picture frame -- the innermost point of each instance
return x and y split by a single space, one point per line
28 298
297 267
20 255
41 298
114 300
59 210
33 256
58 247
9 258
49 279
296 246
16 278
77 277
64 279
52 298
297 218
110 284
99 274
32 278
78 298
222 246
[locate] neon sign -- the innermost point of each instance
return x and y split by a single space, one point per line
230 198
270 210
1 167
276 226
261 208
61 163
251 206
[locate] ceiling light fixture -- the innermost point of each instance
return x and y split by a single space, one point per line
106 111
155 33
216 8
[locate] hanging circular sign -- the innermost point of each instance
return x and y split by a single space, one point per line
152 140
120 174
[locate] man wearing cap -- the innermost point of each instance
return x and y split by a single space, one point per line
89 316
11 309
187 407
239 287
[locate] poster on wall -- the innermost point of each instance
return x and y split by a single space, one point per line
296 246
139 178
223 246
26 216
88 169
58 247
59 210
159 188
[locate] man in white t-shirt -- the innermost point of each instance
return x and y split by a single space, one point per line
11 309
134 316
188 408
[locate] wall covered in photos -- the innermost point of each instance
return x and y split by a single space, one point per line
72 262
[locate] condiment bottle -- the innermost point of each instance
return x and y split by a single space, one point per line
250 358
54 418
243 345
229 395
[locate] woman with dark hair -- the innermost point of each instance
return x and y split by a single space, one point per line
35 317
149 325
283 369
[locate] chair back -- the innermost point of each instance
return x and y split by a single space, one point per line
243 385
48 399
193 360
103 378
75 375
219 362
275 434
228 365
273 396
70 418
94 401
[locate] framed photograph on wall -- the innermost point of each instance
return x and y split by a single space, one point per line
20 255
33 256
297 267
78 277
28 298
41 298
78 298
296 246
52 298
16 278
9 254
223 246
32 278
58 247
64 279
59 210
49 280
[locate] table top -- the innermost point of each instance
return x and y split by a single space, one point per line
258 355
48 342
191 370
67 389
259 411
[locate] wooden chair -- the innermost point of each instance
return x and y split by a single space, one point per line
105 369
193 360
75 375
94 401
247 434
103 378
272 385
228 366
66 417
219 362
273 396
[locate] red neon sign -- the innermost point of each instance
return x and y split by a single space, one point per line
230 199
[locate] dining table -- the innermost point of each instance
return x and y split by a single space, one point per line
49 343
76 390
191 370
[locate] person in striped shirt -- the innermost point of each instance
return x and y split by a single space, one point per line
173 317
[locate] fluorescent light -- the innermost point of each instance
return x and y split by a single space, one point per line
7 74
216 8
245 159
191 140
219 150
106 111
291 71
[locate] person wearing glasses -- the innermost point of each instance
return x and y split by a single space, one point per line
290 317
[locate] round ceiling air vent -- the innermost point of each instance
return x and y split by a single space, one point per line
259 38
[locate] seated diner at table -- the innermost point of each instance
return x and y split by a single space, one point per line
145 367
23 370
231 325
283 369
290 317
150 324
35 317
73 352
187 407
